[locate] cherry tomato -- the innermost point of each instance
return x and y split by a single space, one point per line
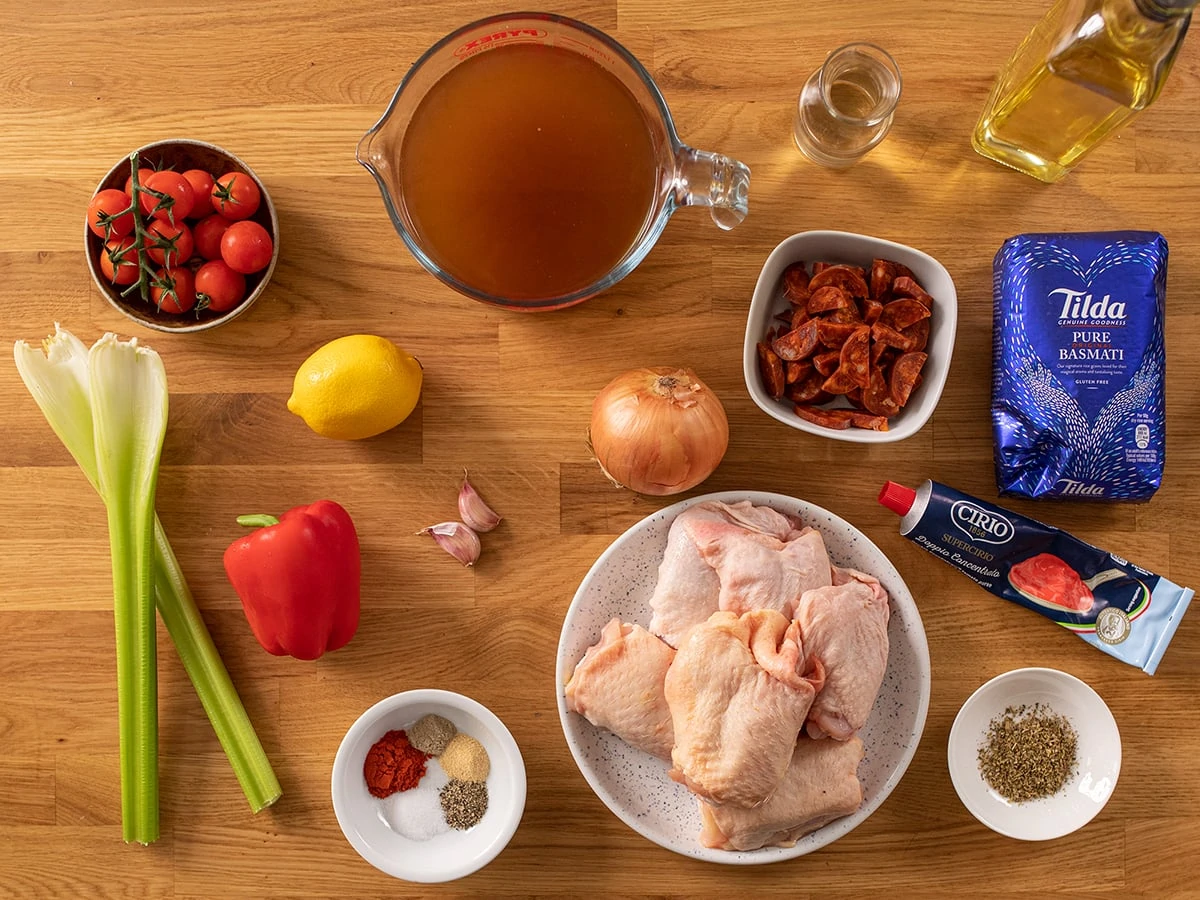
207 233
143 174
236 196
104 214
220 286
168 244
246 247
119 262
178 200
173 290
202 186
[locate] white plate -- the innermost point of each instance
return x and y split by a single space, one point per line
1099 753
634 785
446 856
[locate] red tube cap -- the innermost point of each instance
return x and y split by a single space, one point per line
898 498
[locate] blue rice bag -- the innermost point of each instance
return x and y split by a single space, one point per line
1078 407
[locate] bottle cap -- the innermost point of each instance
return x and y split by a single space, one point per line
898 498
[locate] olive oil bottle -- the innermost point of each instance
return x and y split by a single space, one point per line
1084 71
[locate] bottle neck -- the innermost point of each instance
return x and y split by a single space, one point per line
1166 10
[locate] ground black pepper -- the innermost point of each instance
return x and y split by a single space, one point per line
464 803
1028 752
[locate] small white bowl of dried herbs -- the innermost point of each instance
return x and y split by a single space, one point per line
1034 754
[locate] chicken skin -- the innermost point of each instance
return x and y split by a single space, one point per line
738 695
618 685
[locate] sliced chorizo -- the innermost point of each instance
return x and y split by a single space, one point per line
799 316
827 363
807 389
877 397
799 343
838 383
834 334
884 334
906 286
829 418
771 368
871 310
906 373
794 371
795 284
828 298
867 420
851 279
883 273
846 315
903 313
855 356
918 334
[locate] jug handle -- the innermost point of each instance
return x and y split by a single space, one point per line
713 180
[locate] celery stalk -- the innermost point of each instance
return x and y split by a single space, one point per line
60 383
211 679
129 420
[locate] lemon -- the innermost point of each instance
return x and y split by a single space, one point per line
356 387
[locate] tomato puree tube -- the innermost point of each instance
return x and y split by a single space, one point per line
1112 604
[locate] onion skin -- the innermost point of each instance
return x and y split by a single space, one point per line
658 430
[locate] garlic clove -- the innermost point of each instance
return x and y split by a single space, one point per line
474 511
456 539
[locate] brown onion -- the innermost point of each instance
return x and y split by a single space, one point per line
658 430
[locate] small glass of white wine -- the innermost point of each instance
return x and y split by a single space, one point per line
846 106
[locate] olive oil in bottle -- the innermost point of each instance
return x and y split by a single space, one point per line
1084 71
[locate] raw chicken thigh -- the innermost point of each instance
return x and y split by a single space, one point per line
738 696
844 628
618 685
821 785
733 556
687 589
759 571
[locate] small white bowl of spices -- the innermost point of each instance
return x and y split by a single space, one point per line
428 786
1034 754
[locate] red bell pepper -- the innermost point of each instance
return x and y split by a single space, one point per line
298 579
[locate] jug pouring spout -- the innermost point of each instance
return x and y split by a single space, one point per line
710 179
363 152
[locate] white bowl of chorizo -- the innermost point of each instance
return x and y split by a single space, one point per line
850 336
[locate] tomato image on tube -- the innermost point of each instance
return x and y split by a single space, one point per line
1046 579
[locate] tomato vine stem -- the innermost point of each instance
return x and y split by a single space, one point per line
140 234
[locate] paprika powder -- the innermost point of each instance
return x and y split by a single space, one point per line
298 579
393 764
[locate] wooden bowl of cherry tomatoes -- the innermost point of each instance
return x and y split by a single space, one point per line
208 236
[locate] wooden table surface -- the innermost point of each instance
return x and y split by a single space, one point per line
290 87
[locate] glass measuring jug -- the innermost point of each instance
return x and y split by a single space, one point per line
846 106
529 161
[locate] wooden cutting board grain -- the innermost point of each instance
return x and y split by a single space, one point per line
290 87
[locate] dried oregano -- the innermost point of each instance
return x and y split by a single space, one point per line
1028 753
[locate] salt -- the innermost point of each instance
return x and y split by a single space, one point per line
417 813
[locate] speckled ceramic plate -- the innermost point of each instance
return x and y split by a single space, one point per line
634 785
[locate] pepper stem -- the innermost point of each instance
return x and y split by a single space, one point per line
260 520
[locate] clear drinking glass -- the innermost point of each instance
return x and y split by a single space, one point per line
846 106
